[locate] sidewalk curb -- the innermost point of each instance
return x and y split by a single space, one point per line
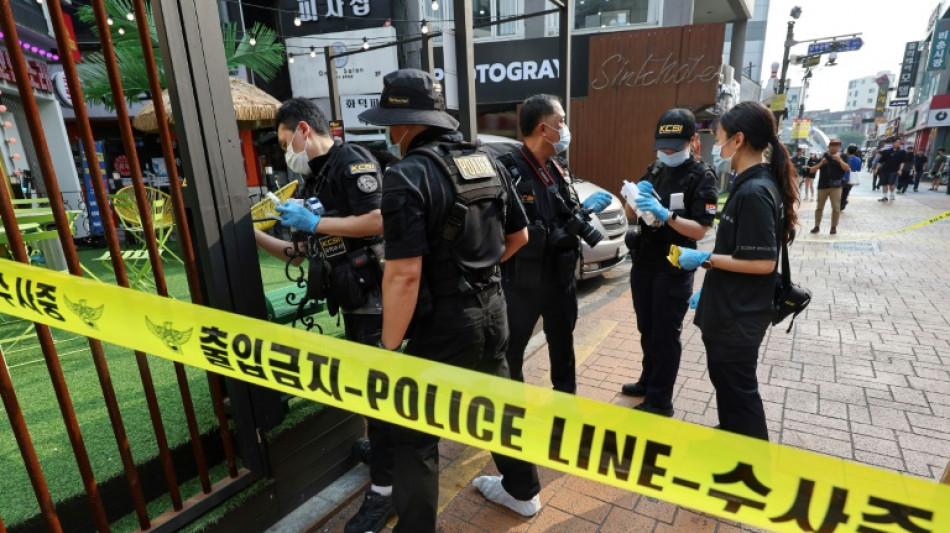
326 504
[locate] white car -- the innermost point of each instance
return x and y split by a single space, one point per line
611 222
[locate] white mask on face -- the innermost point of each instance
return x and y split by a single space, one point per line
675 159
298 162
394 148
717 155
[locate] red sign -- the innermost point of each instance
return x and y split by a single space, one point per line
121 165
38 72
336 130
73 47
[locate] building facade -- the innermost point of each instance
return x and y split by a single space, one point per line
862 92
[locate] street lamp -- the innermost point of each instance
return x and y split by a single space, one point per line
789 42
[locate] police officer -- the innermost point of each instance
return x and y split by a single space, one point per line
539 279
679 193
346 180
449 219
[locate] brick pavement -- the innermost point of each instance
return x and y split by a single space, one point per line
864 375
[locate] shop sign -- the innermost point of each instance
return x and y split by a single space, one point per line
37 70
355 74
62 89
908 69
938 47
308 17
121 165
801 128
351 105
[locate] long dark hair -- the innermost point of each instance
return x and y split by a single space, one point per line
757 125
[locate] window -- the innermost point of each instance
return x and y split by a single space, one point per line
589 14
870 90
482 11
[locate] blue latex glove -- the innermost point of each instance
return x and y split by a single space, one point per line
690 259
645 187
598 201
298 216
649 203
694 299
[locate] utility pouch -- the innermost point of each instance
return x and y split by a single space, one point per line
565 265
354 279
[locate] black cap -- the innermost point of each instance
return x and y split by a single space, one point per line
410 96
674 129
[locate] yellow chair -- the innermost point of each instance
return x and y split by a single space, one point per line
162 212
262 211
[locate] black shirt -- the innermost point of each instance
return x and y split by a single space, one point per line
919 162
417 197
346 179
736 309
890 159
800 161
831 175
812 161
698 184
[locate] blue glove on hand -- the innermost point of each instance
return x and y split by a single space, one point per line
646 202
598 201
690 259
298 216
645 187
694 299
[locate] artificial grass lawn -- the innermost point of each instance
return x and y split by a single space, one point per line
43 418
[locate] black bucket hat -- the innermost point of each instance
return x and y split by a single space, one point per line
410 96
674 129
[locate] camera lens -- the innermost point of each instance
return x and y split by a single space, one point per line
590 235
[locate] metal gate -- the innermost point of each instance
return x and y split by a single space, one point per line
207 137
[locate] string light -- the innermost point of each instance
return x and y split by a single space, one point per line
253 41
425 27
313 52
297 19
109 21
365 44
290 59
435 5
129 16
121 31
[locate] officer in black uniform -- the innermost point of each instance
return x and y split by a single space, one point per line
347 181
539 279
449 219
660 291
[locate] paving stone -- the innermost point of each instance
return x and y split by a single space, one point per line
885 461
888 418
624 521
827 446
833 409
802 401
841 393
656 509
876 445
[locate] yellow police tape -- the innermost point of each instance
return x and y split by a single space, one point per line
929 221
735 477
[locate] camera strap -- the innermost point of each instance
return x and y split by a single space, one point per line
540 170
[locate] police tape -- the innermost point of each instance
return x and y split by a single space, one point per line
918 225
732 476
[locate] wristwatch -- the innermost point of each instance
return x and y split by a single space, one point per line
673 216
707 264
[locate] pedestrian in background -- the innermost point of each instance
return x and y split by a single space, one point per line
679 193
809 192
889 165
851 178
832 169
937 167
800 162
734 307
920 161
907 172
442 275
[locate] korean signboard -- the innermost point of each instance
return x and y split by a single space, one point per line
908 69
356 74
39 73
883 83
938 48
308 17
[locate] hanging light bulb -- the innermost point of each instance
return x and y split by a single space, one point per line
253 41
109 21
435 5
16 157
313 52
121 31
11 140
290 59
297 19
3 109
425 27
129 16
7 125
365 44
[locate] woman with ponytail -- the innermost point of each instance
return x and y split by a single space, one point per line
734 307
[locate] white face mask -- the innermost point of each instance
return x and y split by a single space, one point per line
675 159
394 148
565 141
717 157
298 162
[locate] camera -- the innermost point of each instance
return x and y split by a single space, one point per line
578 225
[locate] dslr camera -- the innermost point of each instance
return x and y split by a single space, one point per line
577 225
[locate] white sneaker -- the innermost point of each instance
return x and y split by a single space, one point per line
490 487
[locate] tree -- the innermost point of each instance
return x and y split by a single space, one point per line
852 137
264 57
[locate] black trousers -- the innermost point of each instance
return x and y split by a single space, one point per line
845 191
469 332
366 329
558 308
732 372
660 300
